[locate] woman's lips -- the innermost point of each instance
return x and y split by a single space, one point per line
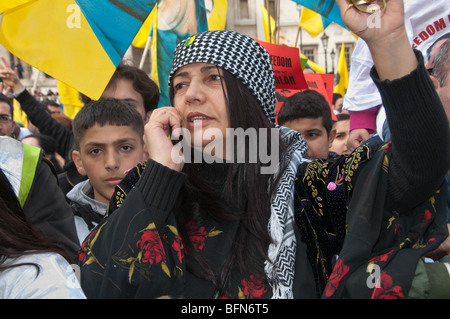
195 119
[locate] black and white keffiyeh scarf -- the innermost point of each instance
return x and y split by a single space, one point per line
281 224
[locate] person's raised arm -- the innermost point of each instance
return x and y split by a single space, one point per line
414 112
35 111
10 79
387 40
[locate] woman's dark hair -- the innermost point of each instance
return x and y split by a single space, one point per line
244 185
17 235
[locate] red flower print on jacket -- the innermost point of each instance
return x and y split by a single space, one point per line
386 289
178 247
82 251
151 247
197 235
339 271
380 258
253 287
427 216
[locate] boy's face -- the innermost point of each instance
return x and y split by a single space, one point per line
106 152
340 142
6 121
315 135
123 90
54 109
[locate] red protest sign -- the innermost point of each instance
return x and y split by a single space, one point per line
328 82
316 82
322 83
282 95
286 66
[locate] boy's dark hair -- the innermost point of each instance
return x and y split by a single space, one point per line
336 96
106 111
306 104
142 83
46 103
342 117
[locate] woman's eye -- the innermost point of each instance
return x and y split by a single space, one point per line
179 86
216 77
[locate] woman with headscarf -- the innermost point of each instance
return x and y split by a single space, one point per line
226 206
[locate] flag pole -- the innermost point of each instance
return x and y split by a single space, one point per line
36 80
144 55
268 19
299 30
277 6
301 40
298 34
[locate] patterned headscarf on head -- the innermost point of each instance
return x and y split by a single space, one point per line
236 53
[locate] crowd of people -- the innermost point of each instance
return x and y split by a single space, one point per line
160 202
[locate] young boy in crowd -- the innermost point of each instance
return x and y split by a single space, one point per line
338 102
128 83
342 126
108 141
309 113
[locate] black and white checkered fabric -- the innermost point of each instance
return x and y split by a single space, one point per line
239 54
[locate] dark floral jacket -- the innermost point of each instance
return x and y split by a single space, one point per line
358 248
136 256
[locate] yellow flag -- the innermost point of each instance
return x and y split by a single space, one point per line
265 16
55 36
70 99
10 4
342 74
311 22
218 17
141 38
19 115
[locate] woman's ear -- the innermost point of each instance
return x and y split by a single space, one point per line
78 162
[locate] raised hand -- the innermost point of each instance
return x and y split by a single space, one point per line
10 79
164 124
386 38
379 19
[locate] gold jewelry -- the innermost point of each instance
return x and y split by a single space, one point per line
351 5
362 5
